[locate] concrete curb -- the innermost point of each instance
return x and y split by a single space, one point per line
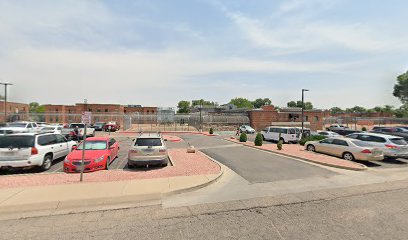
305 159
209 182
96 204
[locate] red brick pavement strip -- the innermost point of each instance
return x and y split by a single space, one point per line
172 138
298 151
186 164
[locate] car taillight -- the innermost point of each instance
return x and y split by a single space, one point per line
391 146
366 151
133 151
162 150
34 151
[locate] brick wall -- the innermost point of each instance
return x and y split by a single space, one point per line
12 109
260 119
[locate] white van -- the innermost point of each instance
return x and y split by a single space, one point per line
287 134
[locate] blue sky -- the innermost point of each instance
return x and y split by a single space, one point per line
156 53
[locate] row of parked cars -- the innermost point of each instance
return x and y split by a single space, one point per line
40 150
365 146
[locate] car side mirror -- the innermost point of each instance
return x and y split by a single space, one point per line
74 147
133 140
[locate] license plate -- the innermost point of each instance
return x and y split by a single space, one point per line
149 150
78 169
8 154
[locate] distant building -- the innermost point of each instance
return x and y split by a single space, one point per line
269 116
15 111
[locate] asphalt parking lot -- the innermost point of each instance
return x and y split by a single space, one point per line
119 163
384 164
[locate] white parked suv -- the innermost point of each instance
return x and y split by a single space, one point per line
27 150
21 127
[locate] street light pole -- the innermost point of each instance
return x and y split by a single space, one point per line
5 99
303 109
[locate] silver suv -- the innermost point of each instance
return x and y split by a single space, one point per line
148 149
392 146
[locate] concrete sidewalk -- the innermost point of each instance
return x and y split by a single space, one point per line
60 199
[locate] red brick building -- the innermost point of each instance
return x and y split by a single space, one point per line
269 116
100 112
15 111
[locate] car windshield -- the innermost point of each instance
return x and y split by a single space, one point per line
398 141
146 142
48 129
98 124
361 143
93 145
77 125
17 125
16 141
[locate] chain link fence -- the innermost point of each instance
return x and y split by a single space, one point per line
144 122
357 123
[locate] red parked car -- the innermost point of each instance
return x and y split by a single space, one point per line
99 153
113 127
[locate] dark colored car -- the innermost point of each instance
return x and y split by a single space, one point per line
395 131
99 126
345 132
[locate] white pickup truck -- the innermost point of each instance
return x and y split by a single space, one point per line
20 127
67 132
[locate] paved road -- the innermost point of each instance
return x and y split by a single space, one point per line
254 165
358 213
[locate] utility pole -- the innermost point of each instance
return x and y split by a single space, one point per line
5 99
303 109
83 144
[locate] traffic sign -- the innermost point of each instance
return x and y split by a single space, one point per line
86 117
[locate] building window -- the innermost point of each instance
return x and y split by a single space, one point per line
106 110
148 111
125 111
51 119
98 110
56 119
152 111
316 118
307 118
89 109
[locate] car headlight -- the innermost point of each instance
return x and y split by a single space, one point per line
99 159
66 160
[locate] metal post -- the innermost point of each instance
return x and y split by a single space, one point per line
201 116
303 109
83 150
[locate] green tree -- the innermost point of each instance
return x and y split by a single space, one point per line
183 107
336 110
292 104
402 111
401 88
261 102
356 109
203 102
33 107
298 104
242 103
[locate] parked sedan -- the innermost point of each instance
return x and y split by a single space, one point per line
99 126
348 149
400 132
111 127
246 129
392 146
99 153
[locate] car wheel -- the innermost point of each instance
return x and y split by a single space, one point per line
107 163
348 156
311 148
263 137
47 162
130 166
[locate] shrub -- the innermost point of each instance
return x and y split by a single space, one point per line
258 139
364 129
211 131
243 137
311 138
280 144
